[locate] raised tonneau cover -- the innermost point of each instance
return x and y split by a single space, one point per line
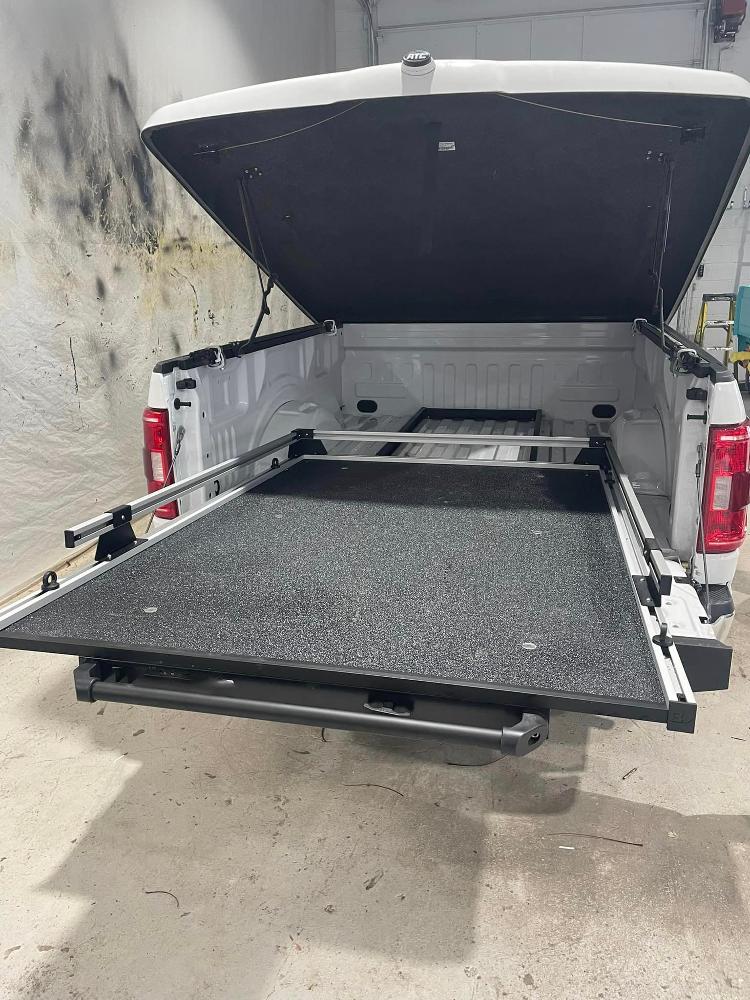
469 190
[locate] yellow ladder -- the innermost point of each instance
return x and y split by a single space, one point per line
704 323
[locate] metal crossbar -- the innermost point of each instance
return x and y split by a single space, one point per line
404 437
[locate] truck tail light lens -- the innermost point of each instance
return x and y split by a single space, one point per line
157 457
726 491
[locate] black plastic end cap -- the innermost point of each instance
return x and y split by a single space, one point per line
681 716
84 678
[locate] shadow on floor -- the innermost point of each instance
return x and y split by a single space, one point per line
235 847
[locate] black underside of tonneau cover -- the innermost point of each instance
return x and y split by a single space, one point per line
505 585
467 207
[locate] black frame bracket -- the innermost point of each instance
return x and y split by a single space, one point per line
304 442
646 591
120 538
113 543
122 514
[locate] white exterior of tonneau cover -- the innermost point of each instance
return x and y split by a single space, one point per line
456 76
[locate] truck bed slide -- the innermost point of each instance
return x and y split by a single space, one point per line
461 598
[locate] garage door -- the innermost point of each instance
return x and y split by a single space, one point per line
668 34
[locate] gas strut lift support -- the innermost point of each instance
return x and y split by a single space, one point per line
650 575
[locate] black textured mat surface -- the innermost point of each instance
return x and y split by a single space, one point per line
483 575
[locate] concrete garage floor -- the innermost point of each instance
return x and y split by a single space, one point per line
147 854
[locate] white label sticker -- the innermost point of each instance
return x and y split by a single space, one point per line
446 147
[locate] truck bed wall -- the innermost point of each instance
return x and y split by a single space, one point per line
568 371
250 400
565 370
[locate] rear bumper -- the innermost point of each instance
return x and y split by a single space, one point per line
720 608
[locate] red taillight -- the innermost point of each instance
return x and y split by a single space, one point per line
157 457
726 489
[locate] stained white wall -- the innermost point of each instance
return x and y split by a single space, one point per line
105 264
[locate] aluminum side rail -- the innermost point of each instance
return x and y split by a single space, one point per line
678 694
658 570
82 532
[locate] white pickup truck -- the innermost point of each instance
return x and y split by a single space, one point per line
488 480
